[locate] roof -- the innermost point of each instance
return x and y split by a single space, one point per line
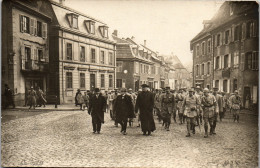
175 61
154 57
223 15
119 40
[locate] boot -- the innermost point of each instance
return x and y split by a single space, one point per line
206 132
193 129
211 131
188 135
168 127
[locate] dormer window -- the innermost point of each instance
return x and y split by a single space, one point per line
104 31
90 25
73 20
231 10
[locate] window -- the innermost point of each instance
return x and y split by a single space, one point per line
255 61
119 67
153 70
27 57
203 47
236 33
225 85
40 55
102 81
202 69
227 36
225 61
69 51
217 62
90 25
75 22
198 70
209 46
218 40
136 67
248 61
217 83
249 29
39 29
234 85
208 68
198 50
24 24
93 55
236 59
82 54
110 81
69 80
92 28
82 80
104 31
119 83
102 57
110 58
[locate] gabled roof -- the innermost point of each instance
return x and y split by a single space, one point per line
119 40
175 61
154 57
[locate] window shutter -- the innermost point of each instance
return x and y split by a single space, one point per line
23 57
243 31
224 37
35 27
230 35
215 43
228 86
242 64
31 26
233 33
44 30
24 24
36 57
254 28
221 38
214 62
21 23
229 60
205 69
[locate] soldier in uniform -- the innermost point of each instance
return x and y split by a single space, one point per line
133 100
167 104
225 105
174 108
157 104
190 103
219 107
235 103
198 94
208 103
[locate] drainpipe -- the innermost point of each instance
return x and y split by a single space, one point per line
62 67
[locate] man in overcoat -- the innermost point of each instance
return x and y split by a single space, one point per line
145 102
97 108
235 103
124 109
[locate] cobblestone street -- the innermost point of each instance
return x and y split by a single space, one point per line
65 138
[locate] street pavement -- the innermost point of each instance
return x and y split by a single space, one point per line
64 138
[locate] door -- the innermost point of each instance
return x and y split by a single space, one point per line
92 81
247 93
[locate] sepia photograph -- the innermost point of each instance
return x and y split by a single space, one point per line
129 83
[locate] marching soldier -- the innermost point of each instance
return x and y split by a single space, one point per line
180 99
198 94
209 104
235 102
174 108
190 103
219 107
167 104
157 104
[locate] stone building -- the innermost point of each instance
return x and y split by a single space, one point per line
25 46
233 33
82 53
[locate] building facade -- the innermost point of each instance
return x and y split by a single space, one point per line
82 54
25 47
234 37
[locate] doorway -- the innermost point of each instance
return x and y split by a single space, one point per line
92 81
247 93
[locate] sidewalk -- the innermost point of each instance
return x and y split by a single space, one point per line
63 107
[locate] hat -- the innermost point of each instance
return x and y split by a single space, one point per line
235 91
31 87
205 90
123 90
191 90
97 90
144 85
130 89
139 90
198 87
78 89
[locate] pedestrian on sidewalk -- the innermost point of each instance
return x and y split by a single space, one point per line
235 101
9 100
209 103
80 99
86 101
167 105
32 98
40 97
123 109
97 108
190 104
145 102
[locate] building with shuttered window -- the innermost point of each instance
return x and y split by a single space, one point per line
231 36
25 47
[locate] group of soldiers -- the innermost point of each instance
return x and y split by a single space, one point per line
194 106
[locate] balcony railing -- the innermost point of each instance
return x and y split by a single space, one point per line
34 65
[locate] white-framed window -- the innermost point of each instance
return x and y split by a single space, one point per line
119 66
110 58
197 50
137 67
203 48
209 45
102 57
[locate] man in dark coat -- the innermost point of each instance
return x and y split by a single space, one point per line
145 102
97 108
9 97
124 109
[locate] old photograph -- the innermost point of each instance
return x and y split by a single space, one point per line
129 83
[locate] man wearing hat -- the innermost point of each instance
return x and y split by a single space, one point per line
157 104
114 96
199 95
133 99
235 103
179 99
145 102
32 98
97 108
209 104
167 107
190 103
123 109
219 107
8 97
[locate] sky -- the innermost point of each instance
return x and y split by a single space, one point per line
167 25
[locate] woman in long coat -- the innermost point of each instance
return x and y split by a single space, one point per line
124 109
145 102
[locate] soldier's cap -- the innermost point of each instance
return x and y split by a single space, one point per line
139 90
191 90
198 87
144 85
97 90
236 91
205 90
130 89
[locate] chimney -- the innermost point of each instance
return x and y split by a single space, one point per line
115 33
206 23
62 2
145 43
133 38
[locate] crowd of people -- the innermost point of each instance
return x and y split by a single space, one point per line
193 107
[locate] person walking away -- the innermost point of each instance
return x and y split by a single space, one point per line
190 104
32 98
124 109
8 97
145 102
80 99
209 104
40 97
133 100
113 103
218 109
167 105
235 101
97 108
